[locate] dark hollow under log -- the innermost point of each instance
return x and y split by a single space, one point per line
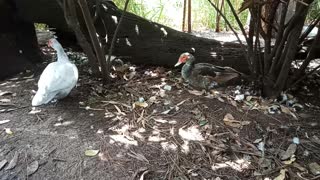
18 44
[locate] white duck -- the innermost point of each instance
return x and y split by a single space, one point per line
57 79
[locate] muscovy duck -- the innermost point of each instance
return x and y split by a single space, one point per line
57 79
204 75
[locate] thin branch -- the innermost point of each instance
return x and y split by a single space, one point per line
238 20
92 32
310 55
72 20
309 29
234 32
115 35
226 20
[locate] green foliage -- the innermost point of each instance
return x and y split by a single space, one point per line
170 12
314 11
39 26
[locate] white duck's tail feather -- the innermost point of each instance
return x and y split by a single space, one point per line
42 98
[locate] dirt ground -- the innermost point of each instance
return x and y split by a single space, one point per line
151 126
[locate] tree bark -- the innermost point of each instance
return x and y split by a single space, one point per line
139 40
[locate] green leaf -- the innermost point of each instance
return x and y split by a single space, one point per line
203 122
91 152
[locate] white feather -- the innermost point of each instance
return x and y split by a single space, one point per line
57 79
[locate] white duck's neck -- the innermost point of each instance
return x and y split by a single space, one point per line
62 56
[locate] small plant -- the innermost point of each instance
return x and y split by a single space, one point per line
42 27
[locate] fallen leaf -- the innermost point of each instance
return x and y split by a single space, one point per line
8 131
248 98
265 163
257 141
202 123
5 100
233 103
162 93
282 175
91 152
4 121
129 76
230 121
197 93
288 111
167 111
220 99
289 152
3 163
290 161
32 168
13 161
153 99
314 168
180 103
3 93
140 104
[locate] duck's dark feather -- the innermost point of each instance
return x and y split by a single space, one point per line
216 73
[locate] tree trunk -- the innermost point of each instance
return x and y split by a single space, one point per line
139 40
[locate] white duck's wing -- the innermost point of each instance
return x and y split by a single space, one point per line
57 78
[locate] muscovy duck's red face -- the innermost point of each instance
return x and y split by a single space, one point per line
50 43
183 59
53 43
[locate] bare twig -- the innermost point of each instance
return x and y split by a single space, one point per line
238 20
72 20
226 20
92 32
309 29
233 30
310 55
115 36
